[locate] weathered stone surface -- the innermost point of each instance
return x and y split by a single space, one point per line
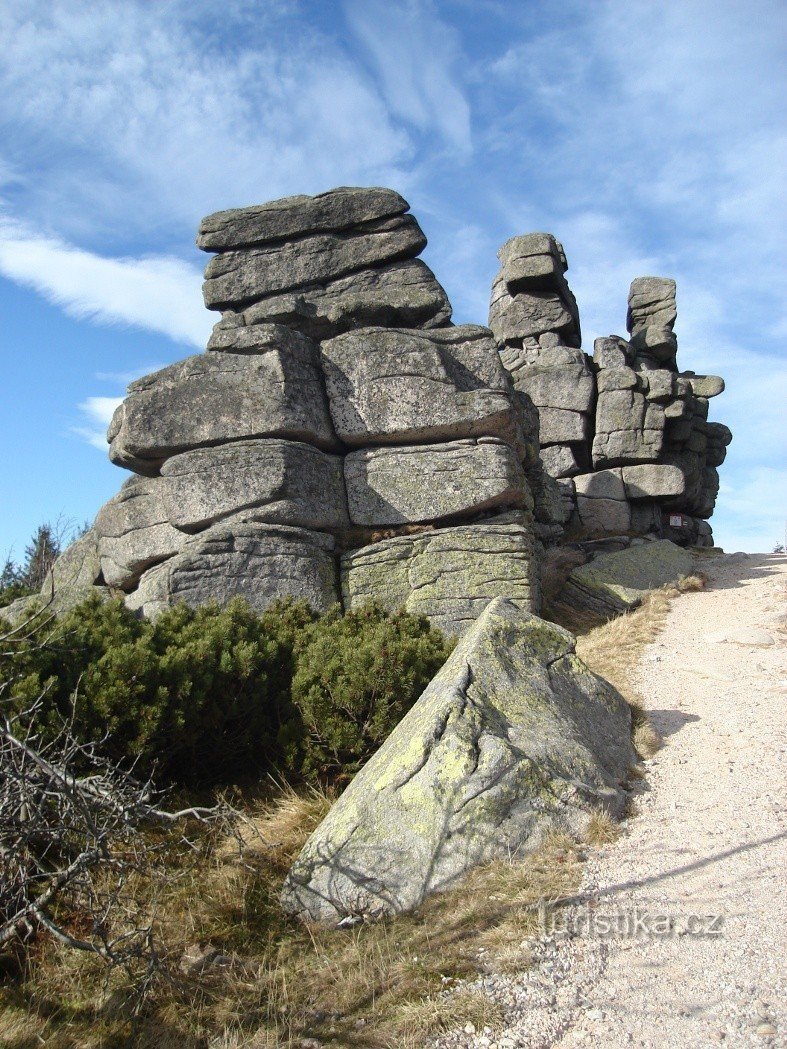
532 245
448 575
513 737
77 569
285 482
338 209
601 502
403 295
559 460
219 397
653 481
628 428
559 426
236 278
513 318
611 352
398 386
612 583
134 532
401 485
570 388
651 304
240 557
705 385
547 351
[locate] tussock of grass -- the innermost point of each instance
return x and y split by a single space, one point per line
602 829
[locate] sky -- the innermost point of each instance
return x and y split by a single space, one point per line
648 137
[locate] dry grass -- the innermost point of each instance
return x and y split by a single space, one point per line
375 985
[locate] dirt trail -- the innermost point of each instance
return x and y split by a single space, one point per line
707 853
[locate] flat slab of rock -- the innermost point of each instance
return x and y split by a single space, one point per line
559 460
236 278
653 481
613 583
241 557
401 295
398 386
448 575
285 482
514 737
214 398
134 532
412 484
532 313
289 217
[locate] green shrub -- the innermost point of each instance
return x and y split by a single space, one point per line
217 695
197 696
356 677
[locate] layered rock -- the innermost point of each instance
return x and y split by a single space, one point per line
627 409
449 574
513 738
336 411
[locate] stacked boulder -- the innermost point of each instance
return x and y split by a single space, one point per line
625 435
340 440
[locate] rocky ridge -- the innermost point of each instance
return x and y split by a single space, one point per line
624 433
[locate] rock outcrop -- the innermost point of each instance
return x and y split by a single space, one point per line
512 738
624 434
338 425
341 439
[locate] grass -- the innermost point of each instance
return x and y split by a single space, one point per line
382 985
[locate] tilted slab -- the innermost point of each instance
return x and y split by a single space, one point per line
214 398
514 317
236 278
134 532
398 386
448 574
285 482
241 557
401 485
613 583
401 295
338 209
513 738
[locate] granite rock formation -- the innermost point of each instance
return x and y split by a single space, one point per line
624 434
340 440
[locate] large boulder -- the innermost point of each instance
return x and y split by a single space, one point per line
401 295
449 574
417 483
289 217
613 583
400 386
235 278
285 482
241 557
213 398
134 532
514 737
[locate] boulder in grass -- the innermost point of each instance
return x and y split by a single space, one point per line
513 738
614 583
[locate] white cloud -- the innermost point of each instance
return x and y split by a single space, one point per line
159 294
99 412
162 117
414 53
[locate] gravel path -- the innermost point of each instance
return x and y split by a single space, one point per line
696 885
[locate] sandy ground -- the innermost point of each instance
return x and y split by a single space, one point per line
694 891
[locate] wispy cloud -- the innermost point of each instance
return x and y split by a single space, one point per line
162 117
415 56
98 412
159 294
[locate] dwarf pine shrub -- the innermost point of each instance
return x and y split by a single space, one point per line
209 695
356 676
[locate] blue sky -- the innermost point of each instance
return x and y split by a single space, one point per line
648 137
